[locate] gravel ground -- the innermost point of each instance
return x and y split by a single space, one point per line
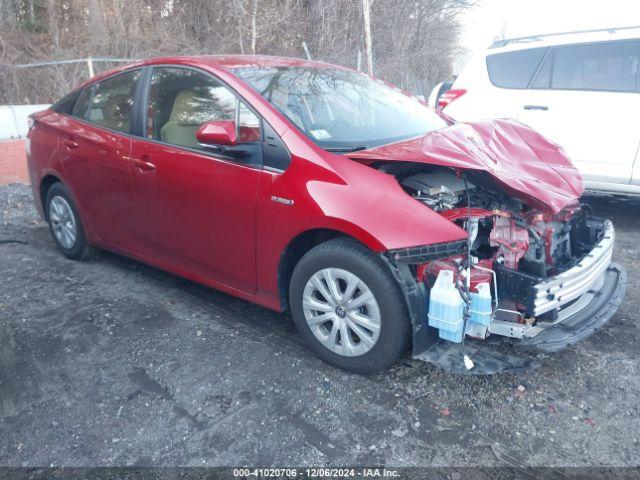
110 362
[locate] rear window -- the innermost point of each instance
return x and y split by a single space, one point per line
514 69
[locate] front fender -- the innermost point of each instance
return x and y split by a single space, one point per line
373 204
341 195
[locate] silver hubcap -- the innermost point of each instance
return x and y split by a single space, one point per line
63 222
342 312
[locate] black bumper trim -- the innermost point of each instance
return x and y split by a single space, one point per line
425 253
588 320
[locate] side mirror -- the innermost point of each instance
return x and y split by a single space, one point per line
217 132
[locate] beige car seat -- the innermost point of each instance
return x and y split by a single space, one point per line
190 110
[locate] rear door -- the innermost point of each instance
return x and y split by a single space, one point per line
585 98
194 207
95 147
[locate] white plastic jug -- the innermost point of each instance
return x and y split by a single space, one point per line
481 308
446 308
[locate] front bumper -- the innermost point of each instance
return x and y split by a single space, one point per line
558 291
573 325
569 307
581 319
583 299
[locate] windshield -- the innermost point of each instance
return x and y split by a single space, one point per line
341 110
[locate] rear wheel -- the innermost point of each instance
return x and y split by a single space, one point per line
64 223
348 307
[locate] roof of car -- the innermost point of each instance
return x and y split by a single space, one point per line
236 61
226 62
565 38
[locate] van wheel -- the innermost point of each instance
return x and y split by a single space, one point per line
64 223
348 307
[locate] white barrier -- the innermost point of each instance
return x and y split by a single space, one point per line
13 120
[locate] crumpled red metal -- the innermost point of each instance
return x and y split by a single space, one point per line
525 163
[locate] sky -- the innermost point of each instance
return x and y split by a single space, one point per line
490 19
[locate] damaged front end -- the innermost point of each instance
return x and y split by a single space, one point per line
536 270
549 275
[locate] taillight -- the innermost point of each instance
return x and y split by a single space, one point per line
449 96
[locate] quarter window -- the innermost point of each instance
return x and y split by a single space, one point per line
65 104
611 67
181 100
514 69
109 102
81 107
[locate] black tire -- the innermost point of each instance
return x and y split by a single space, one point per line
395 327
80 249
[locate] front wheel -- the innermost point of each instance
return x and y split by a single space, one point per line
348 307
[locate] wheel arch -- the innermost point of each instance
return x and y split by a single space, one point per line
296 249
45 184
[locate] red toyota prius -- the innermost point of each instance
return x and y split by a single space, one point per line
380 224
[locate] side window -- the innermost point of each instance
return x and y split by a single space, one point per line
110 102
514 69
611 67
543 77
181 100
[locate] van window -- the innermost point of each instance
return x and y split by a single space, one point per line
514 69
543 77
609 67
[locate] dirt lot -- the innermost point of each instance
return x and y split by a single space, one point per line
110 362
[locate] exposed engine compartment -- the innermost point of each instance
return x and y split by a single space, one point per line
502 229
512 246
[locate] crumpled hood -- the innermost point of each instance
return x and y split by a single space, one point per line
526 164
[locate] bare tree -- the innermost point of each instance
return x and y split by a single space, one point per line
366 14
254 31
415 40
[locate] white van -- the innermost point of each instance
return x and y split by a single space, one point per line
579 89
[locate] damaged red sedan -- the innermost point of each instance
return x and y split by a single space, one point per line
380 224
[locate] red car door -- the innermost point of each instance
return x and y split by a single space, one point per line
195 209
95 155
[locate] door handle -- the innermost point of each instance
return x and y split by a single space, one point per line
70 143
144 165
536 107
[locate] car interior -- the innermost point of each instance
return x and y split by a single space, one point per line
182 100
189 109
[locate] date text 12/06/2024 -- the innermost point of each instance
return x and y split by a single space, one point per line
314 473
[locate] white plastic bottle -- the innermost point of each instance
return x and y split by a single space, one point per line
481 308
446 308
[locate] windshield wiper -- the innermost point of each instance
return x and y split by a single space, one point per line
355 148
